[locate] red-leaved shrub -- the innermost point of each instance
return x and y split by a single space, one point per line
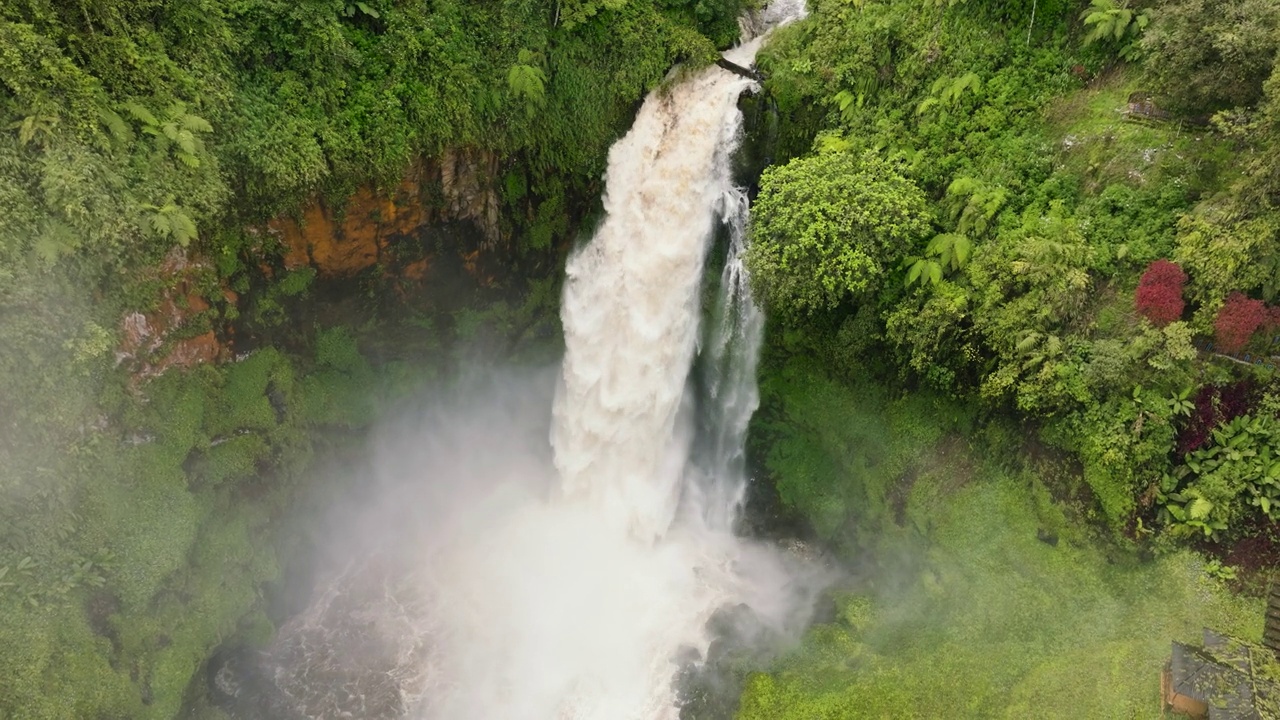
1239 318
1214 405
1159 296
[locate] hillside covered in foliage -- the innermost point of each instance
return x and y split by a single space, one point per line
1021 260
1022 263
1067 216
143 147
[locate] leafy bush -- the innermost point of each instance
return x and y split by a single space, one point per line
1223 253
1212 406
827 227
1119 442
1211 55
1115 23
1159 295
1240 468
1237 321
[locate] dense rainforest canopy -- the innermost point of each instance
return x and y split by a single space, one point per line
1088 295
1100 249
142 145
1050 227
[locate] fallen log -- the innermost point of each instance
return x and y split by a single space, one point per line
749 73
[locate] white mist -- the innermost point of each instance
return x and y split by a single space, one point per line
561 583
574 608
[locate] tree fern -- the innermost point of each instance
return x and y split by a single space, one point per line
35 128
926 271
117 128
56 239
178 131
951 249
947 91
350 9
527 81
973 204
945 253
170 221
851 100
1115 23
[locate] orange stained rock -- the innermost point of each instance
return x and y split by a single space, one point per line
196 304
355 239
144 336
186 353
416 270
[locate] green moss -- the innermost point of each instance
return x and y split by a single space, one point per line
145 515
336 399
183 557
342 390
337 350
200 606
295 282
233 459
243 402
53 667
256 629
839 451
993 622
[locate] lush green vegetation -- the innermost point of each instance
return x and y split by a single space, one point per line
166 544
977 591
998 624
1038 411
1053 183
1003 232
138 140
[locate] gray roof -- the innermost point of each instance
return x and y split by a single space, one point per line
1221 675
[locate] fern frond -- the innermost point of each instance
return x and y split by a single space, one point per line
116 126
195 123
141 114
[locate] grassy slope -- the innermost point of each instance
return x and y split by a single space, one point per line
1101 145
962 612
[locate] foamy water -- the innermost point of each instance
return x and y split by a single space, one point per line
575 608
563 585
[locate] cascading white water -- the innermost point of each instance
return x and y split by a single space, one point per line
575 606
715 485
630 307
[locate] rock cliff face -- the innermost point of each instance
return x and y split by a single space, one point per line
155 341
442 220
377 228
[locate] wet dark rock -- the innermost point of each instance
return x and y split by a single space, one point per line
354 652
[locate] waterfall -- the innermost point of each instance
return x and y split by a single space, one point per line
716 481
631 306
567 582
578 605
